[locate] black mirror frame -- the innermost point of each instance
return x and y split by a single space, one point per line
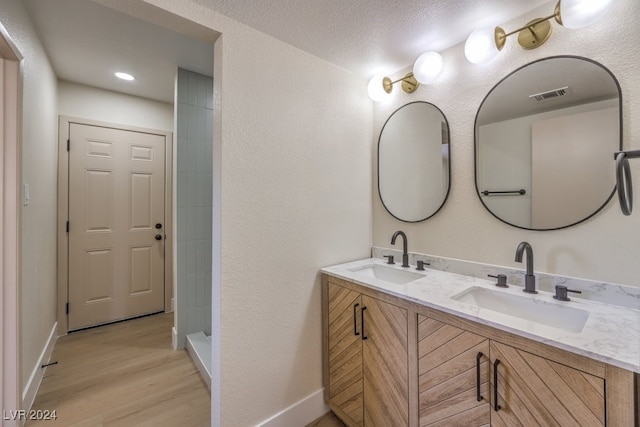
446 196
475 139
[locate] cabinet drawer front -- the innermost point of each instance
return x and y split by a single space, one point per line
536 391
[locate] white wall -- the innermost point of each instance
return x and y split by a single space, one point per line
39 170
296 180
88 102
293 137
605 247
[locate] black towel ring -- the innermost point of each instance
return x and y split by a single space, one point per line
623 183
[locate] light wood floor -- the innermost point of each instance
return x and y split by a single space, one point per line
125 374
328 420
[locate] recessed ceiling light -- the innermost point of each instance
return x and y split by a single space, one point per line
124 76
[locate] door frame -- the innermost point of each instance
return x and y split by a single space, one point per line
10 210
63 211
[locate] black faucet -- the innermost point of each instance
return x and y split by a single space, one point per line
529 278
405 253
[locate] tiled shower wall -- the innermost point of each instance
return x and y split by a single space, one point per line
194 193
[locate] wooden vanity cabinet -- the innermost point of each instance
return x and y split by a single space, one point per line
457 371
366 358
420 366
537 385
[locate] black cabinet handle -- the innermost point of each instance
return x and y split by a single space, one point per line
478 395
355 320
364 337
496 407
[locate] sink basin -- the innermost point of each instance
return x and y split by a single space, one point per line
546 313
387 274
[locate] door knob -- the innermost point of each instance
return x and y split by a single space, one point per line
158 237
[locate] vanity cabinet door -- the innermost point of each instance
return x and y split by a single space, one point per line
533 391
386 376
367 359
453 369
345 353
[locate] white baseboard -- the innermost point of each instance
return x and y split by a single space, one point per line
174 338
33 384
300 413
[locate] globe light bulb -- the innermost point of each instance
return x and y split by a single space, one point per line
375 88
581 13
428 67
481 46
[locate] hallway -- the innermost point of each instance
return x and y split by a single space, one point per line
123 374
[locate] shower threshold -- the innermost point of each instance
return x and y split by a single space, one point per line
199 348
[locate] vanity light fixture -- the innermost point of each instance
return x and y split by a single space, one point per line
426 70
380 86
483 45
124 76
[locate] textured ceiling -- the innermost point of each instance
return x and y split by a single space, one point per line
371 36
86 41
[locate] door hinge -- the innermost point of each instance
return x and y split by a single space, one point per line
67 309
68 145
67 226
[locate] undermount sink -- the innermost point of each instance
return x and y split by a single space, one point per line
546 313
387 274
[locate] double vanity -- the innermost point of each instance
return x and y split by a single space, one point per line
416 340
404 347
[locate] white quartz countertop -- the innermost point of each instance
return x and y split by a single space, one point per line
611 333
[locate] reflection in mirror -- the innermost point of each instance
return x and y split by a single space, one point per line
544 138
413 162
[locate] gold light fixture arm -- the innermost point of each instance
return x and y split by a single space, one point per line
533 23
533 34
409 83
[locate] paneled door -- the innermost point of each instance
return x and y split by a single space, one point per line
116 224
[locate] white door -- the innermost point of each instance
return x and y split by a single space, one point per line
116 224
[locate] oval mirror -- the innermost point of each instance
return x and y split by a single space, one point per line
413 162
544 138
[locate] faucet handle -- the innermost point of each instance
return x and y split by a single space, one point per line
502 280
561 293
390 259
421 265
